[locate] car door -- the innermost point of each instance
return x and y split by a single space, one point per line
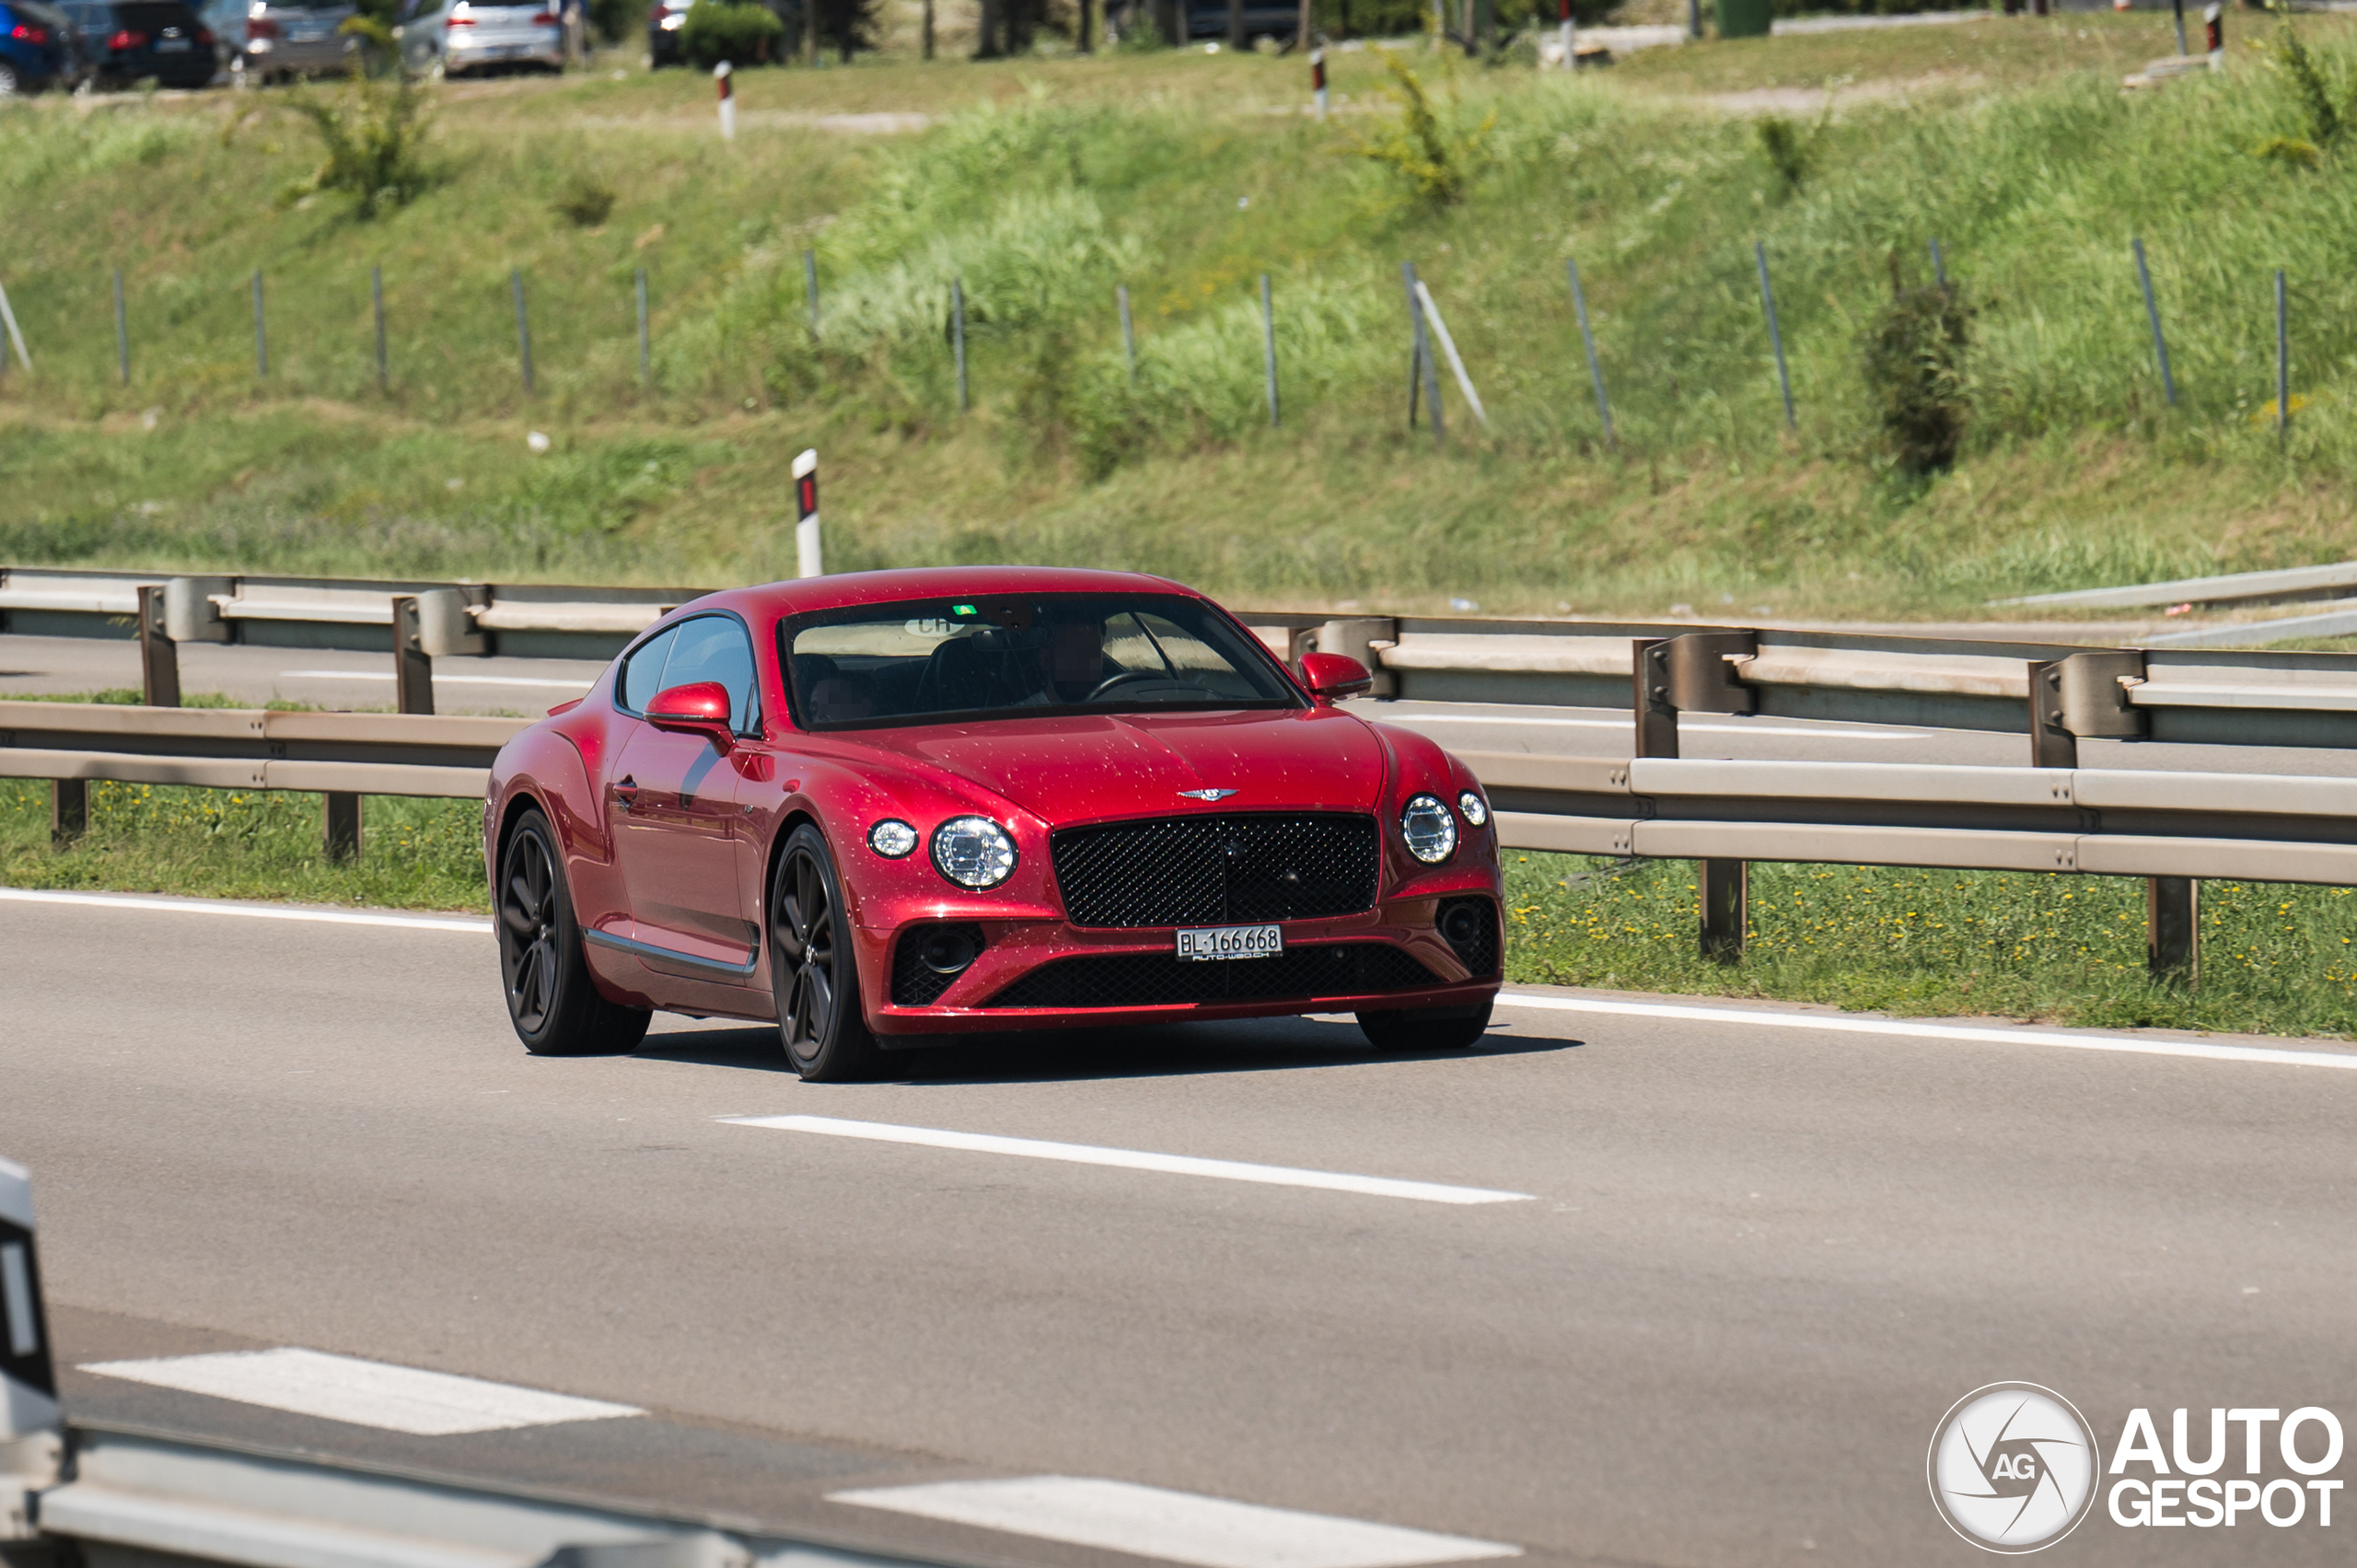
675 809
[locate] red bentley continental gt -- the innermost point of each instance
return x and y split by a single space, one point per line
890 807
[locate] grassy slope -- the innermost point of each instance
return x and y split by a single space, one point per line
2009 142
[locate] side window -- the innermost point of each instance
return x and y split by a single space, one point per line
714 647
642 676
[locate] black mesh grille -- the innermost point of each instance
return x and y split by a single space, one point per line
1147 979
916 983
1212 870
1479 949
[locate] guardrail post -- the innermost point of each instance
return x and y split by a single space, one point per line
2173 928
413 667
341 824
69 811
1726 897
1649 698
159 656
2052 744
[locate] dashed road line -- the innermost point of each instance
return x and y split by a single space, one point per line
1132 1159
1177 1527
362 1393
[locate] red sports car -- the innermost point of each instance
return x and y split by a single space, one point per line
889 807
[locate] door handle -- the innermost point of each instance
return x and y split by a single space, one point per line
627 792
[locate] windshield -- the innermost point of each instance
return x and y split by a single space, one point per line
924 661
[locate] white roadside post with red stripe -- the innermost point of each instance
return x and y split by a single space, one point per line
1317 79
27 1377
1564 13
808 562
727 89
2213 28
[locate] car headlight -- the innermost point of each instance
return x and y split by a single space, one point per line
1476 810
892 838
973 851
1429 831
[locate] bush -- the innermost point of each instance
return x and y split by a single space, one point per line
1789 150
1914 369
374 137
585 202
741 34
1437 162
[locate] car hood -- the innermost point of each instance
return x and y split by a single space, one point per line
1088 768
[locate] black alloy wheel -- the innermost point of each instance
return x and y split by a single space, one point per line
1426 1028
812 972
552 999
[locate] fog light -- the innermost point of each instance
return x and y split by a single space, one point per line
949 950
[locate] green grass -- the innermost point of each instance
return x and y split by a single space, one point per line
2275 959
1045 182
236 844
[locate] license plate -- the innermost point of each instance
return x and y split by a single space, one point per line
174 46
1210 942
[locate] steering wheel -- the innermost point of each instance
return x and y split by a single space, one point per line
1123 679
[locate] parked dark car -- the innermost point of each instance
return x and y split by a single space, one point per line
270 41
131 40
38 48
1208 19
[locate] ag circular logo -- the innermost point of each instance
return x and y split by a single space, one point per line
2013 1466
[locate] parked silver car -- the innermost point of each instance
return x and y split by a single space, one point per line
264 40
455 37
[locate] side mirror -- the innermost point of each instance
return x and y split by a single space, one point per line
1334 675
700 707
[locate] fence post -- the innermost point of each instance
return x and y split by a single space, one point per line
261 338
810 289
69 811
377 303
958 335
2176 10
1775 336
523 326
159 656
1269 346
1129 334
9 319
1421 371
808 559
121 332
2282 364
1317 82
1939 264
2173 928
1587 342
646 376
2153 314
1448 347
727 91
27 1372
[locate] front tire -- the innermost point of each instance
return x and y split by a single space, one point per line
1426 1028
812 972
551 1001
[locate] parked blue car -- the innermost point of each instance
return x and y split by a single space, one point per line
38 48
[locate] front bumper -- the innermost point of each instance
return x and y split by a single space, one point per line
1050 974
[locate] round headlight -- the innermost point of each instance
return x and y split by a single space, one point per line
892 838
1429 831
973 851
1476 810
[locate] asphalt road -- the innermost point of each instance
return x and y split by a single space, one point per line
1756 1264
336 678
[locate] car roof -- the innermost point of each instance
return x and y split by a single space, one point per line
846 589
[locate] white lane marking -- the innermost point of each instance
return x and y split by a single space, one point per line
1178 1527
2267 1055
362 1393
250 912
582 685
1623 723
1131 1159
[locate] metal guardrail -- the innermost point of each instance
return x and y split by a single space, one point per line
2172 828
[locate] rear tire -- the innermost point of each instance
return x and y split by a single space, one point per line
812 972
1426 1028
551 1001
